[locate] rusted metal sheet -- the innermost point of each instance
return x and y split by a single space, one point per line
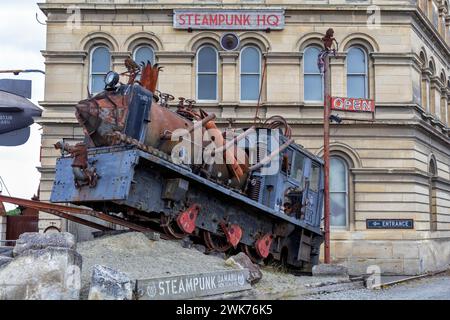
193 285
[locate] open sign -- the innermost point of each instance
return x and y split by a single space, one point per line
352 104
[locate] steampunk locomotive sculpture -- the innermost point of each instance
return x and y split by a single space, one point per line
171 168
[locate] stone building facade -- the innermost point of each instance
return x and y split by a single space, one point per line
396 52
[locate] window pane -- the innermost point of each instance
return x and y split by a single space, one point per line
250 61
249 87
98 83
297 167
207 60
207 85
338 175
338 209
101 60
314 179
356 61
313 87
310 60
144 54
356 86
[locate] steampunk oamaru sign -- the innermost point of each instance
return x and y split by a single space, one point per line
193 285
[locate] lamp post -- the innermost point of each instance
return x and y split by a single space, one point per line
324 66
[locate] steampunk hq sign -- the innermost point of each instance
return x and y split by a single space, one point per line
193 285
272 19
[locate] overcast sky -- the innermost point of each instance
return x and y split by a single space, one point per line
21 40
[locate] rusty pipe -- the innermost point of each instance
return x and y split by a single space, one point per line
167 135
269 157
235 140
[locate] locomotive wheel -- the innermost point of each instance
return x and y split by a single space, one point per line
215 243
171 228
251 253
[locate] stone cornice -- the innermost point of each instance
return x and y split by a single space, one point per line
64 57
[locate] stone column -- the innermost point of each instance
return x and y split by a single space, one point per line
425 87
447 25
448 108
338 75
434 97
229 83
444 103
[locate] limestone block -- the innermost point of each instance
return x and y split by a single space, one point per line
47 274
36 241
242 261
109 284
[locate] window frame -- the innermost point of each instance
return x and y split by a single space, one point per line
197 73
259 73
314 74
141 46
365 74
346 192
91 57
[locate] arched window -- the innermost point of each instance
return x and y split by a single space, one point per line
207 73
313 79
432 173
100 66
142 54
357 84
250 73
338 192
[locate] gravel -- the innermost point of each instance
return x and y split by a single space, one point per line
141 258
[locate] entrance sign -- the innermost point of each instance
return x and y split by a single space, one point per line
229 19
390 224
352 104
193 285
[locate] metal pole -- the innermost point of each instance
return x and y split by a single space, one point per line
326 154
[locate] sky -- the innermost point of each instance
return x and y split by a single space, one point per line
22 38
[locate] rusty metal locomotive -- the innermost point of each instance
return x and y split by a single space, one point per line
142 161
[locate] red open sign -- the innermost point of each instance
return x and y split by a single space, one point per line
352 104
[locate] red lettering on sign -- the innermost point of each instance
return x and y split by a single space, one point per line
197 19
246 20
213 19
205 20
352 104
238 19
189 15
261 20
272 20
221 19
182 20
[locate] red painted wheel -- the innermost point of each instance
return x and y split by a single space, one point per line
215 242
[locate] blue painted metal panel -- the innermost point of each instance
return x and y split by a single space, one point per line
115 170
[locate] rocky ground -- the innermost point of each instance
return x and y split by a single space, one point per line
141 258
